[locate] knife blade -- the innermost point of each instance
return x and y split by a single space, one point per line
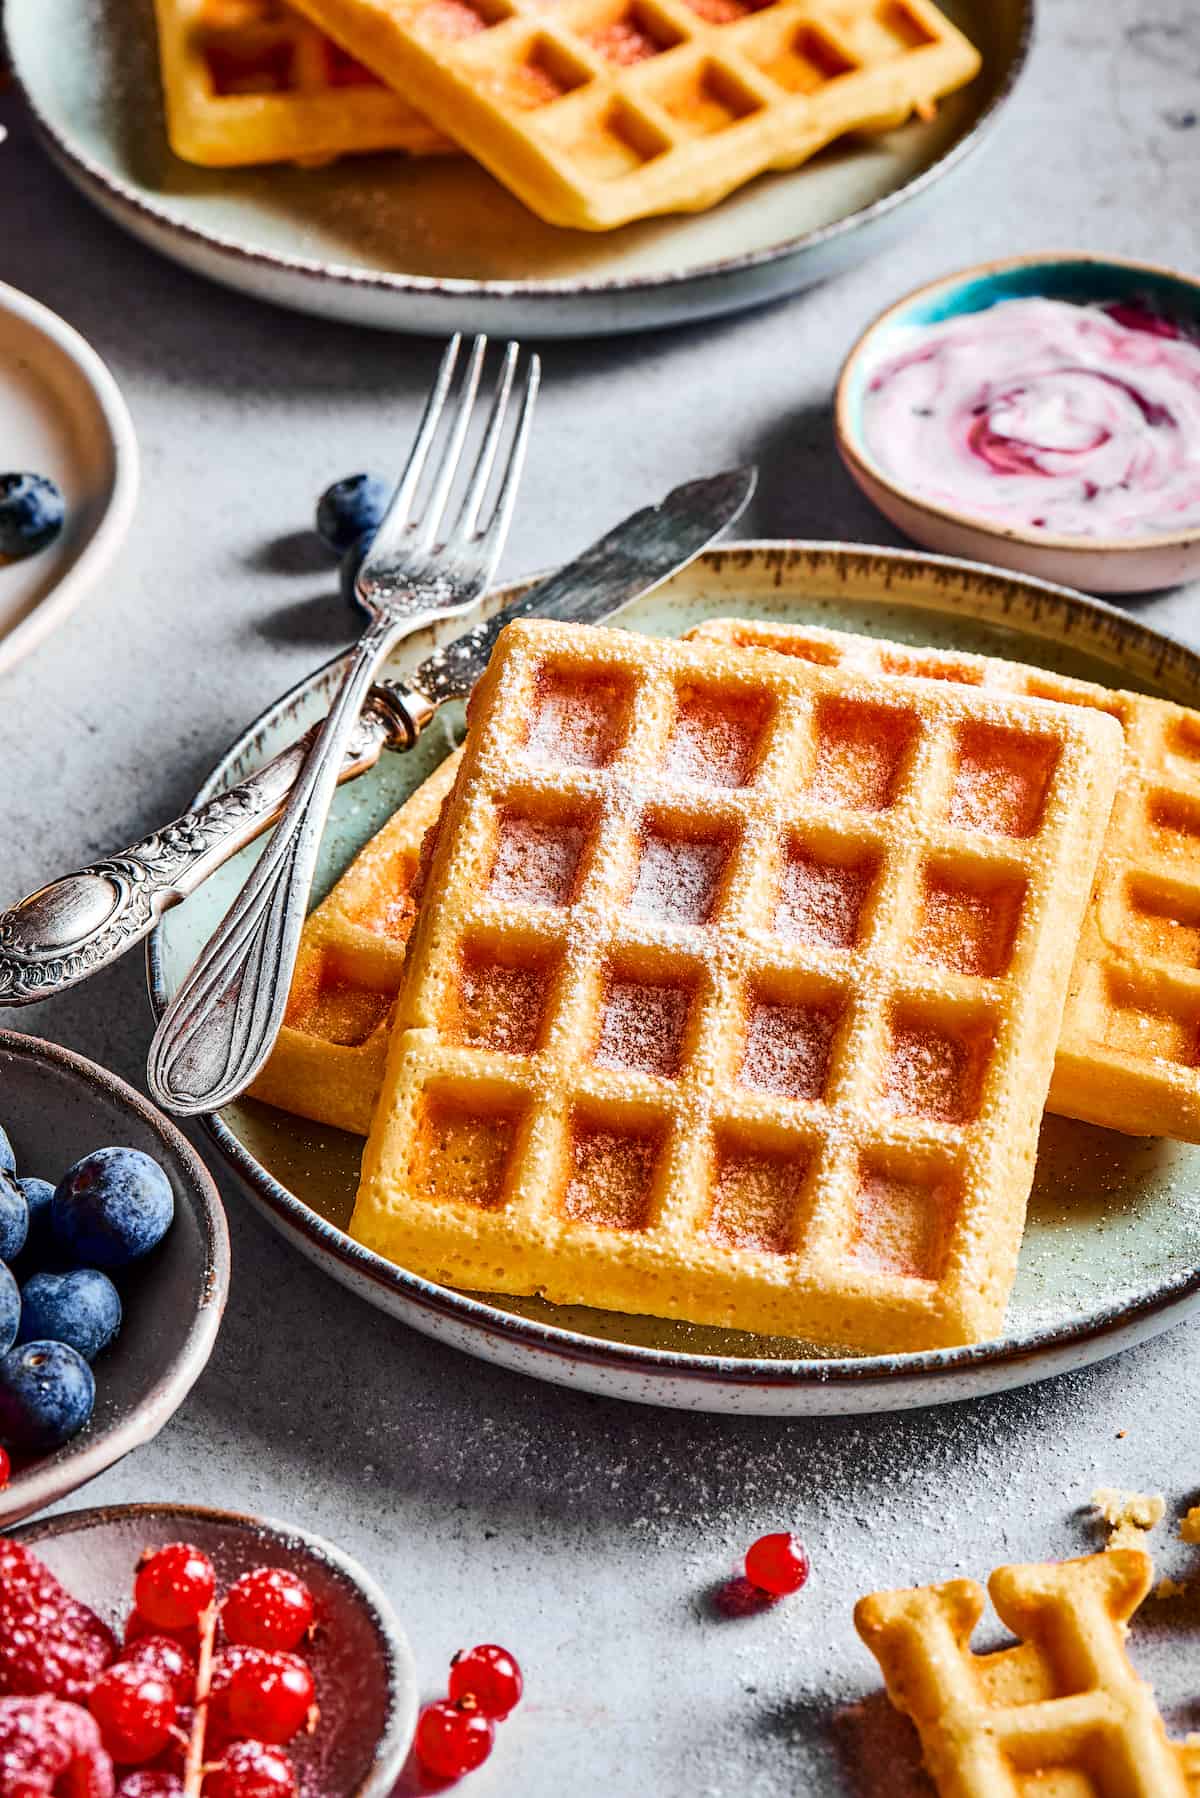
83 922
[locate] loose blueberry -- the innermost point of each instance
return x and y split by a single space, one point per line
8 1161
10 1309
348 569
31 514
112 1207
39 1244
47 1393
14 1219
350 509
82 1309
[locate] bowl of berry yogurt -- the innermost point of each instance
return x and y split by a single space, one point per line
1041 413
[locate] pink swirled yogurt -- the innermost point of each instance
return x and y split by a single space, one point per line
1045 416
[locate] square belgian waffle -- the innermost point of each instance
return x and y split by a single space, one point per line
250 81
595 112
1129 1053
1062 1714
686 1026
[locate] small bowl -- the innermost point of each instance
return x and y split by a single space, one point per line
1099 565
360 1656
56 1106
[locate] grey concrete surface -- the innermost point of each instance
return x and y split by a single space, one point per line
582 1533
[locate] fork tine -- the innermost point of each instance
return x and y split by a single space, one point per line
395 519
468 517
492 539
452 454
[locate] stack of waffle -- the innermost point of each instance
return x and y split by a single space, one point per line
593 112
731 986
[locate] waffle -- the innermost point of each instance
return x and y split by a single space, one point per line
682 1030
1129 1054
328 1058
1063 1714
595 112
250 81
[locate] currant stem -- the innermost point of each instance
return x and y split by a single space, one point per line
193 1769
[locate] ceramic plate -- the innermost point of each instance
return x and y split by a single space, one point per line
435 244
62 415
1112 1252
56 1107
360 1657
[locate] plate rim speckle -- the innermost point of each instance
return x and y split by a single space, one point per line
391 1751
337 289
47 1481
672 1377
112 526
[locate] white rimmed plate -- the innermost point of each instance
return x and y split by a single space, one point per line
62 415
1112 1252
434 244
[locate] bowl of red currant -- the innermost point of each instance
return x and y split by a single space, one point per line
154 1651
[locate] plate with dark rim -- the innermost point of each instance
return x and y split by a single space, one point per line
434 244
56 1107
360 1656
1112 1250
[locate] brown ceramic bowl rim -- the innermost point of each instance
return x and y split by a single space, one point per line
854 454
43 1483
391 1750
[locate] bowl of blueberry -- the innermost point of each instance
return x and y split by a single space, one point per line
114 1269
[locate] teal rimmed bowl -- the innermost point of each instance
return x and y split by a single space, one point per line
1097 564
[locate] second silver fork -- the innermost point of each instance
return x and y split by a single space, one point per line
218 1030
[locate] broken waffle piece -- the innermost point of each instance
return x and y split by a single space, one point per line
596 112
252 81
704 1070
1129 1052
1129 1516
1189 1528
1041 1716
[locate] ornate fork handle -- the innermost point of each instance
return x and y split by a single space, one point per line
80 923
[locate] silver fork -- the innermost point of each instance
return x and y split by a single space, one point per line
218 1030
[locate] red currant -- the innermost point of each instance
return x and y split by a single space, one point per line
166 1657
490 1676
268 1608
260 1693
453 1739
252 1770
138 1627
174 1585
777 1564
5 1468
151 1782
135 1708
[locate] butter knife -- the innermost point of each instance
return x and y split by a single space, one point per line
81 923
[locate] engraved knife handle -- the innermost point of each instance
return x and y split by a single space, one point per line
83 922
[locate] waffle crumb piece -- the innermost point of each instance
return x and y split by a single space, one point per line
1130 1516
1189 1529
1169 1588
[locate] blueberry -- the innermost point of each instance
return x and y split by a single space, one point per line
10 1310
31 514
14 1219
111 1207
39 1244
348 569
8 1161
47 1393
81 1308
350 509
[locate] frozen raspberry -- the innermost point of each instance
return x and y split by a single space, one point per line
48 1746
49 1642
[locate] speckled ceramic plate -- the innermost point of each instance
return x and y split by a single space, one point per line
56 1107
62 415
435 244
1112 1251
360 1657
